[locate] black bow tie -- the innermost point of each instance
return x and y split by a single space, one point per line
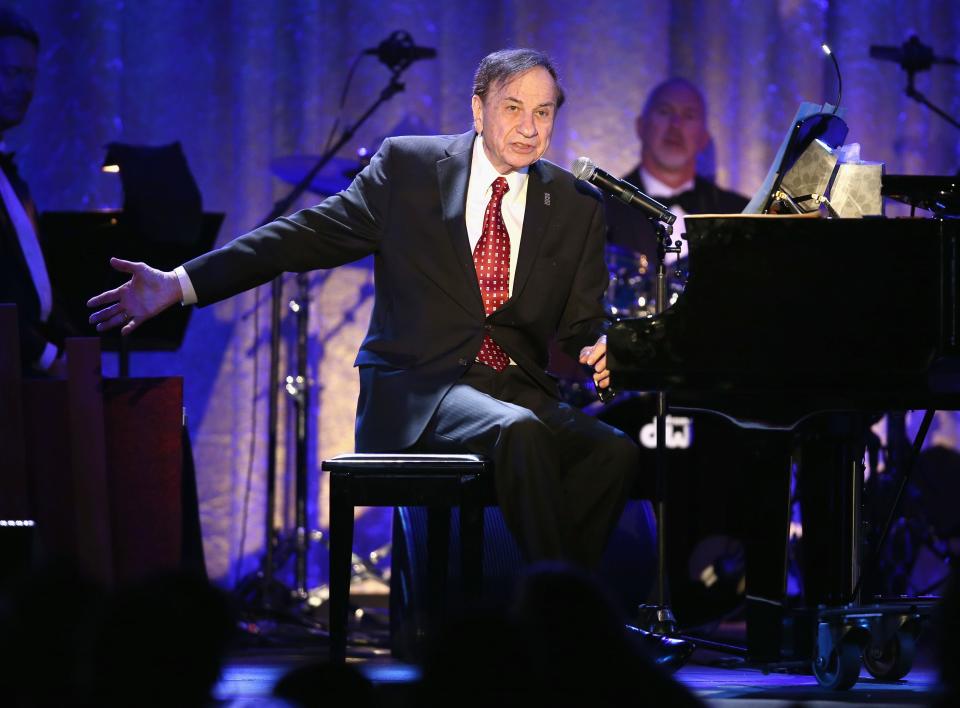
685 200
7 163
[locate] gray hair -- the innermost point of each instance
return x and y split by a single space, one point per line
498 67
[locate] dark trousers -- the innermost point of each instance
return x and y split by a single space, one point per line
562 477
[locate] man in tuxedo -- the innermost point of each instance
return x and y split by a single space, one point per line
483 252
672 130
24 280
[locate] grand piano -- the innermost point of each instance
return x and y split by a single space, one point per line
786 316
803 330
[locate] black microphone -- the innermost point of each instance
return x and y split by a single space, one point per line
583 168
913 55
398 51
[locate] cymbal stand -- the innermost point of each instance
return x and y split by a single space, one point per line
659 616
280 208
297 388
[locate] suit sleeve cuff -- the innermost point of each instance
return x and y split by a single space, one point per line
188 294
47 358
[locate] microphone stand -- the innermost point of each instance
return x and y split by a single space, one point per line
913 57
912 92
659 617
296 386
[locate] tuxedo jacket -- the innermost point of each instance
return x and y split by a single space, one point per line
629 228
407 209
16 281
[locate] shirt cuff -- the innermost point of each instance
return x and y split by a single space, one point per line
188 294
48 357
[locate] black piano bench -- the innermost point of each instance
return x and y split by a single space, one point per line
438 482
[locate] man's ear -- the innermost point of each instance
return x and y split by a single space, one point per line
477 105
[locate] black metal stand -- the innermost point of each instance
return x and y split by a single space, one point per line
915 58
297 386
659 617
298 389
891 515
920 98
883 634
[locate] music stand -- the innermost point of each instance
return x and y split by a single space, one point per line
77 248
162 223
812 122
809 151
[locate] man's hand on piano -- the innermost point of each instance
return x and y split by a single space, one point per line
596 357
148 292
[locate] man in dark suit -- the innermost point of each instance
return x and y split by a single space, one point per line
483 252
673 131
24 280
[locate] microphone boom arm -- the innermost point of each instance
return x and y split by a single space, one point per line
913 57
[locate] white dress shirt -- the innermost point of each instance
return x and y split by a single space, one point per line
479 191
655 188
30 245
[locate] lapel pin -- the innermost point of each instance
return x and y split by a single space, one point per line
546 198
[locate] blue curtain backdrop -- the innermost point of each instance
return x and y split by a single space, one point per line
242 82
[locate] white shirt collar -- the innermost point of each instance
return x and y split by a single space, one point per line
656 188
483 170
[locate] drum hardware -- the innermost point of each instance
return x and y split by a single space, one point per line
336 177
297 389
362 568
924 539
260 588
631 290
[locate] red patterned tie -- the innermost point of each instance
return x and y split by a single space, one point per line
491 258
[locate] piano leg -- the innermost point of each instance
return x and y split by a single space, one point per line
765 462
830 484
829 454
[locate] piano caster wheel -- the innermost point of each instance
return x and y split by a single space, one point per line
892 659
840 669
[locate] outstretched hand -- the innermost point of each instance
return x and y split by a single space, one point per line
596 357
148 292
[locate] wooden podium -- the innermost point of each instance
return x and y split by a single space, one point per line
97 464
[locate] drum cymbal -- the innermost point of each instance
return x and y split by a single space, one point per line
335 176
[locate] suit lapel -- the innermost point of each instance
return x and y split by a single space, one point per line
453 173
536 217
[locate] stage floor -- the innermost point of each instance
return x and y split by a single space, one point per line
250 676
